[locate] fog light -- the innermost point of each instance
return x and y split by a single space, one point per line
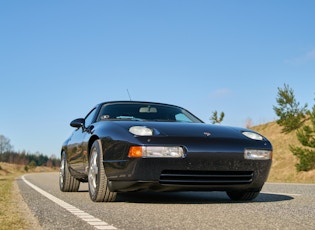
257 154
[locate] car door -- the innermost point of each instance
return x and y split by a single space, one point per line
77 145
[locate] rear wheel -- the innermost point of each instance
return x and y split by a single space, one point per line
242 195
98 182
67 183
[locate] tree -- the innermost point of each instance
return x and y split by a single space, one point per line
291 115
215 118
306 136
249 123
32 164
5 145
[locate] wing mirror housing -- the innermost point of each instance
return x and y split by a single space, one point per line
77 123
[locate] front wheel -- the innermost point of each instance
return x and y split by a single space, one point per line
67 183
98 182
242 195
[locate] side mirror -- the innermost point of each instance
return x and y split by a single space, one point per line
77 123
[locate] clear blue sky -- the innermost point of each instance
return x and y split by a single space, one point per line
60 58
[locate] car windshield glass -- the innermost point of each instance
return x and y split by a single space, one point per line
145 111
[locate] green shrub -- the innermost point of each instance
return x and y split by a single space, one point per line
306 158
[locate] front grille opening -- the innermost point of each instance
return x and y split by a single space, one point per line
178 177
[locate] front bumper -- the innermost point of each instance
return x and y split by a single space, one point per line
196 172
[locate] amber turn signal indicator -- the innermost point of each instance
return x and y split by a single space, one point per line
135 152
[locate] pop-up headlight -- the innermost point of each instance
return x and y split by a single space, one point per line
252 135
141 131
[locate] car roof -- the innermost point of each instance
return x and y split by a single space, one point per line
139 102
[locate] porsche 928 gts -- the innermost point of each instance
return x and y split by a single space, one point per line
130 146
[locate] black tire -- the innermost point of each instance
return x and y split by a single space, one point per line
98 182
67 183
242 195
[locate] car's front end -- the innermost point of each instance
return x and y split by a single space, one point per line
123 146
187 157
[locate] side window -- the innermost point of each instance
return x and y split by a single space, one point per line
89 119
182 118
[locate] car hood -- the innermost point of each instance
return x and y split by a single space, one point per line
196 137
179 129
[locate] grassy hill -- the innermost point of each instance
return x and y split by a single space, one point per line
283 166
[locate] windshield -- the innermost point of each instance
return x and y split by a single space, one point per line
146 111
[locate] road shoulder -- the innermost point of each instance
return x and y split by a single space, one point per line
30 220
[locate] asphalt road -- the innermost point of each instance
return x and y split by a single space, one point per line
279 206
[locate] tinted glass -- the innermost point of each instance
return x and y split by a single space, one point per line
89 119
141 111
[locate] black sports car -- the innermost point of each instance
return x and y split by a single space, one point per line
124 146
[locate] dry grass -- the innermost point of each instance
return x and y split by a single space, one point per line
283 166
10 216
13 212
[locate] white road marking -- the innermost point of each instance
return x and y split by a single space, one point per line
91 220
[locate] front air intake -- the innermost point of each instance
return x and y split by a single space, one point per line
191 178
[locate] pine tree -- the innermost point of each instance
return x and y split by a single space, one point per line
215 119
306 136
291 115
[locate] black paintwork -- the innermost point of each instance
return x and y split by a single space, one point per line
214 154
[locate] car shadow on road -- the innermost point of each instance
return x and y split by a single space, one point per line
193 197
